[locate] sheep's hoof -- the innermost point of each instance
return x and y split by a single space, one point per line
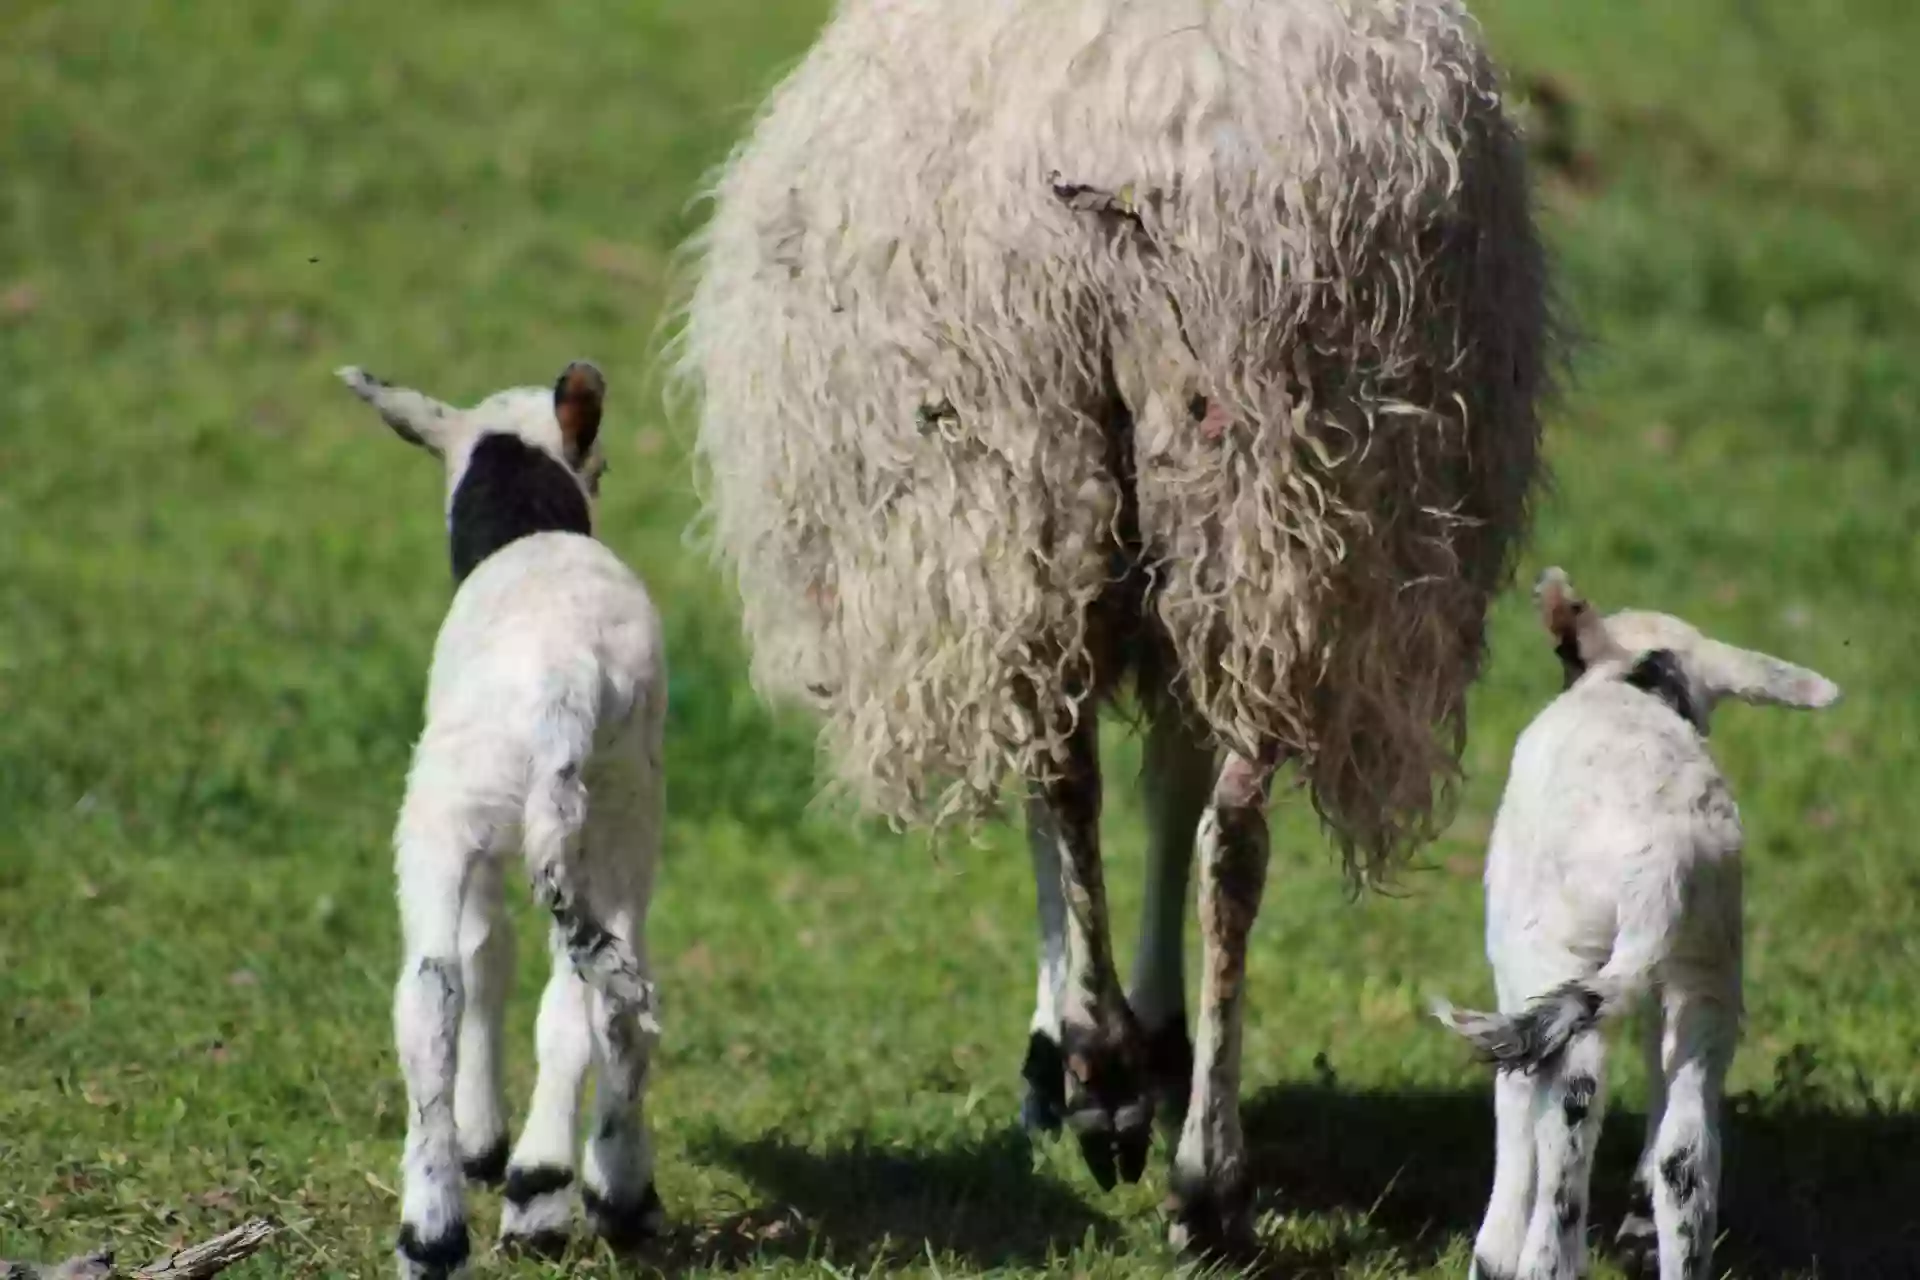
625 1224
1636 1246
1212 1223
1108 1106
547 1245
1045 1073
437 1258
1170 1071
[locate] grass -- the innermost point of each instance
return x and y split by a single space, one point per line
221 582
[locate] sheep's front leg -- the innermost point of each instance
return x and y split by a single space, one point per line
1212 1201
1517 1101
1107 1105
427 1006
1177 776
486 971
1637 1244
1044 1070
1697 1050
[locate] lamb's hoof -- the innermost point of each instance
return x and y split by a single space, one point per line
1212 1223
1170 1071
625 1224
1044 1071
440 1257
489 1166
536 1211
1108 1106
1636 1246
548 1246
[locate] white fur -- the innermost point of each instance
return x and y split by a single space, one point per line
545 714
1613 874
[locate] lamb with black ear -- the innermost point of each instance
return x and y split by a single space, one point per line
548 687
1617 838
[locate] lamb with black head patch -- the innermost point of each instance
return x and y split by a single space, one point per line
1614 876
548 687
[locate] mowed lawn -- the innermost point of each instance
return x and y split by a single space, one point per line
220 578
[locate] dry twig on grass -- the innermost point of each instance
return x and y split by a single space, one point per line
209 1257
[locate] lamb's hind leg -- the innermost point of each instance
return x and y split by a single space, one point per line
435 860
1697 1050
1212 1198
1107 1104
486 970
1177 780
618 1191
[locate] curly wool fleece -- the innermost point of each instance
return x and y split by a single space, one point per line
1004 301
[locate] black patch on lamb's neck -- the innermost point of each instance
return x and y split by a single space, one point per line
1572 665
1658 673
511 490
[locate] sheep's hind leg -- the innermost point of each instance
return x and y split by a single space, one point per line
1107 1105
1211 1200
428 998
1177 777
486 970
617 1171
537 1206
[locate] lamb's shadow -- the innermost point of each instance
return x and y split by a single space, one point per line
862 1204
1807 1192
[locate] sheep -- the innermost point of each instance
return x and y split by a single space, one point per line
1043 345
548 687
1613 876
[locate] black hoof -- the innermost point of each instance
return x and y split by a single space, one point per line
1212 1223
1044 1072
625 1224
433 1259
489 1167
1107 1103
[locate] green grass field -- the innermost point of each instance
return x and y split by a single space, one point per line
220 578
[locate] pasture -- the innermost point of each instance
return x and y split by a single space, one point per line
220 579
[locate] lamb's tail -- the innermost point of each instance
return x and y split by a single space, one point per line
556 813
1537 1035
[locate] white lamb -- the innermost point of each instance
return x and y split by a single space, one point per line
548 685
1614 874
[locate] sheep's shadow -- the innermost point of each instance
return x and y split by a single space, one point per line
1808 1192
864 1205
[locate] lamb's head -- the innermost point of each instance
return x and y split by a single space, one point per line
562 422
1658 648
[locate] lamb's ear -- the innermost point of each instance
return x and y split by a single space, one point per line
1580 638
416 417
1761 678
579 395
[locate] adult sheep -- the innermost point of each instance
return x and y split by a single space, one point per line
1041 344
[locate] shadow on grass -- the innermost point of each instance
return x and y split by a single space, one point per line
1806 1191
862 1205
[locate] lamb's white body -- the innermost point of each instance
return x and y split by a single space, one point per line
1613 880
545 715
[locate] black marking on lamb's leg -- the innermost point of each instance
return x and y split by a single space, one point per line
1212 1220
1681 1172
439 1257
524 1185
1578 1100
1568 1207
625 1224
1044 1071
487 1167
1484 1270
